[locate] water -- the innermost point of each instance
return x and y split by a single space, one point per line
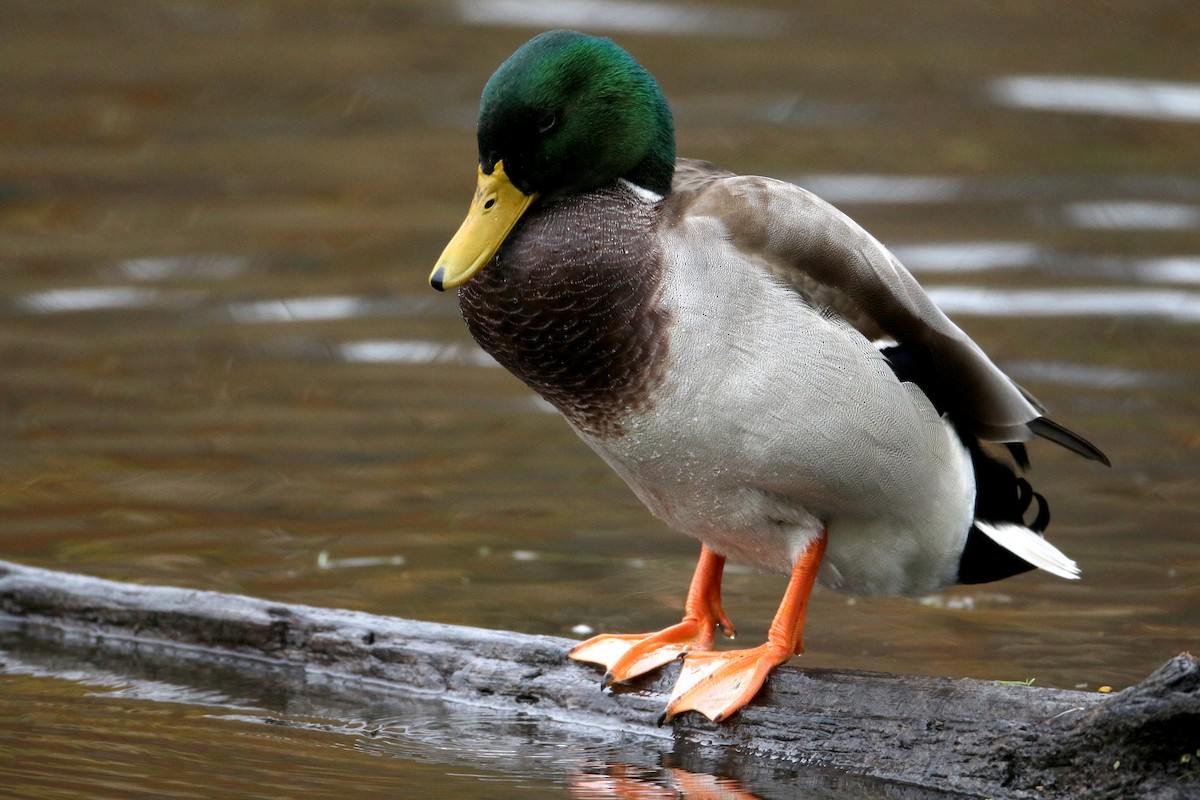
223 367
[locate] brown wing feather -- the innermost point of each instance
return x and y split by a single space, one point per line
833 263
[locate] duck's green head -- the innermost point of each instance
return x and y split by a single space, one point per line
564 114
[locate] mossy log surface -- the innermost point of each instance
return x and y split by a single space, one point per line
936 736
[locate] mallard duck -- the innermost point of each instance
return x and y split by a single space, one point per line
760 370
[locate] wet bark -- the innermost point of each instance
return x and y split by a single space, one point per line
970 737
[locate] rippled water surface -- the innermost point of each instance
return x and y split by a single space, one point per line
223 368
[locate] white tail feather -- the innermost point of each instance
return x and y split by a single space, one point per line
1029 545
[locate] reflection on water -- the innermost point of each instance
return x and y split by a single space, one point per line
627 782
960 194
968 256
667 19
415 352
223 367
91 299
883 188
1176 269
1176 306
1090 376
161 268
1098 95
301 309
325 561
1132 215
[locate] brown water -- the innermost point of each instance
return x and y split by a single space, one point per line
222 366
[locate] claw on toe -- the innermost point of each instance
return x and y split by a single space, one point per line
630 655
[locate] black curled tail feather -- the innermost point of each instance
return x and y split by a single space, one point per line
1001 496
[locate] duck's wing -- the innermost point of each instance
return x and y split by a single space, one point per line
834 264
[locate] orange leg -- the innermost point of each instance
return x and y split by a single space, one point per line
627 656
718 684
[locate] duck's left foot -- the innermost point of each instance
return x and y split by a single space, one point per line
718 684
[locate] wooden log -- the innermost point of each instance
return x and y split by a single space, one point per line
934 735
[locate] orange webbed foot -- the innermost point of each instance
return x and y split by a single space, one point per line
718 684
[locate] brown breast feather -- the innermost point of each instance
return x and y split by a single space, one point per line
570 305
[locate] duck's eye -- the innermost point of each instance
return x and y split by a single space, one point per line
548 122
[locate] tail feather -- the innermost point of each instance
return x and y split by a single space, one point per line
1029 546
1052 431
1000 542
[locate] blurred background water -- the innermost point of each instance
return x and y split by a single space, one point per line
221 366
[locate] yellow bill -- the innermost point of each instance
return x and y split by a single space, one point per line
494 211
